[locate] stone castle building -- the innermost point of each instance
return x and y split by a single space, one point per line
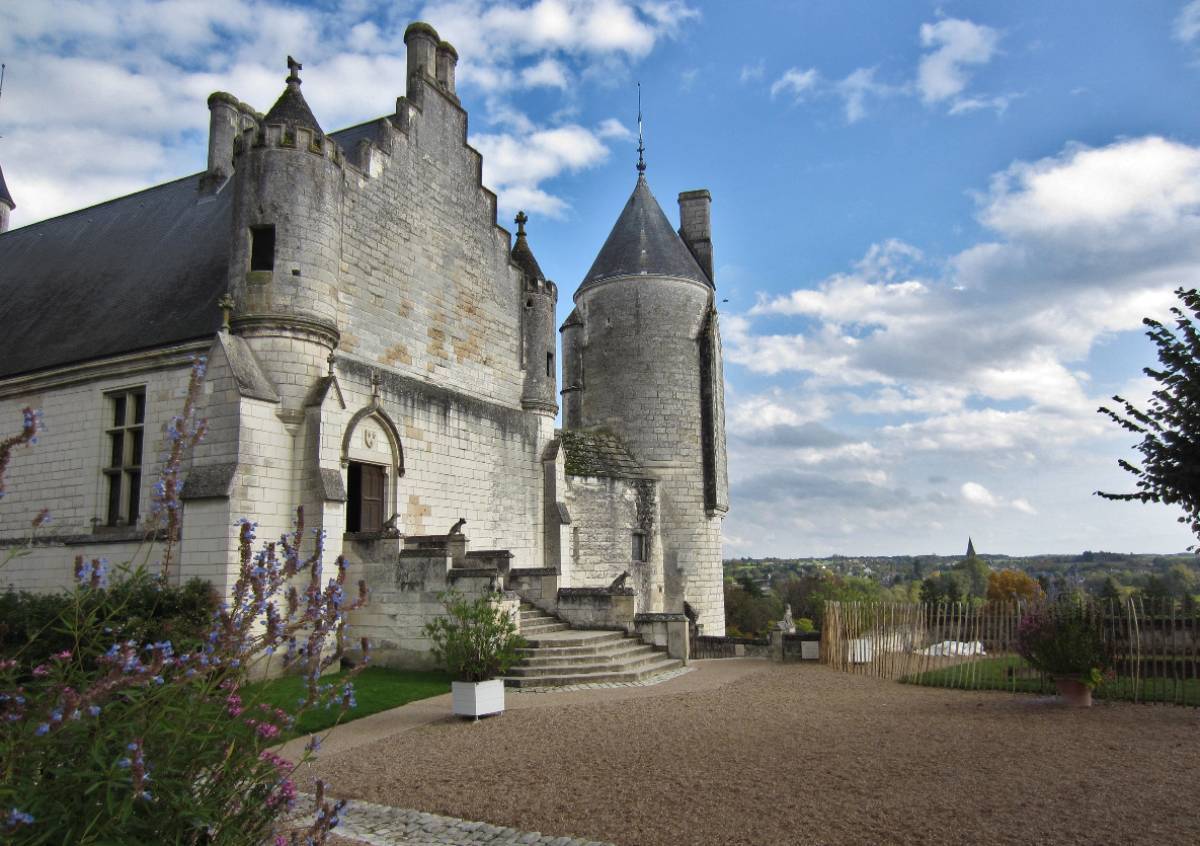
382 353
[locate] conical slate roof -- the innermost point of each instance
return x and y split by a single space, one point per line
643 243
5 197
291 108
522 254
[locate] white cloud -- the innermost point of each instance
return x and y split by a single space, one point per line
977 494
956 44
118 87
976 365
515 165
1135 187
754 72
795 82
1187 23
547 73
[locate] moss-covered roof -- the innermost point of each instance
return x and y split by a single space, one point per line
599 452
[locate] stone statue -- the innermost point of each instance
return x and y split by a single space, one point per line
456 529
787 624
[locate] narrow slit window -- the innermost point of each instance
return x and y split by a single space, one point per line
262 247
549 364
123 475
639 546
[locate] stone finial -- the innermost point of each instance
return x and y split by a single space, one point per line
641 165
331 360
376 384
521 219
227 304
294 69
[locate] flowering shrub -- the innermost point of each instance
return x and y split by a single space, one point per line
476 640
121 739
1066 639
150 612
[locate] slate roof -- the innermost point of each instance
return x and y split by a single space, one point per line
598 452
4 195
133 273
643 243
523 258
292 109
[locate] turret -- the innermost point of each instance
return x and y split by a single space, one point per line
6 203
539 299
642 358
447 61
287 183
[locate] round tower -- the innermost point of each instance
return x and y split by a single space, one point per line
642 358
287 201
6 204
538 301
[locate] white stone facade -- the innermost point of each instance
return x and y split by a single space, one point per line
390 337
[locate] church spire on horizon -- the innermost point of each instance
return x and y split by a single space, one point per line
641 165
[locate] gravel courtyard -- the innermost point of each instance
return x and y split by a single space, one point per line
746 752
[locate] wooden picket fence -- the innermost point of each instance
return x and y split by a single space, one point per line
973 645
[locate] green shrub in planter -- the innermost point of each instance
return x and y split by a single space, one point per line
476 640
1066 639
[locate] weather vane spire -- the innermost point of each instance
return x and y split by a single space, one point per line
641 165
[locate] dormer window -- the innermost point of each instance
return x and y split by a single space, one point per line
262 247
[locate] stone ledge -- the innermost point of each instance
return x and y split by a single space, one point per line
571 593
660 618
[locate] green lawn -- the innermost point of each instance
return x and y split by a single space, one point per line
1012 673
375 688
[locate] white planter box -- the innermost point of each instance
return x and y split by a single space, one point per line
810 650
477 699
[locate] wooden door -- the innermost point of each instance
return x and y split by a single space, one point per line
372 502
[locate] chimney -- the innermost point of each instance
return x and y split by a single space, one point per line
224 123
447 59
695 226
422 42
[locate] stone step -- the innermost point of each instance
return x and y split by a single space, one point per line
538 621
638 674
543 629
618 651
573 639
626 664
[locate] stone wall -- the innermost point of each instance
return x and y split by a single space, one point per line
605 513
62 471
641 377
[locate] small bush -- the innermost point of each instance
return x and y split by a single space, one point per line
476 640
40 625
1066 639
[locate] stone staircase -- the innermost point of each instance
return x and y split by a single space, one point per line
558 655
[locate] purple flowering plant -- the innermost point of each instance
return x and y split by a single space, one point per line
119 741
1066 639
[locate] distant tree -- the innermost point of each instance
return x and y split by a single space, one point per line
976 573
1044 583
1009 585
746 582
918 569
1155 589
1180 579
1111 592
1170 424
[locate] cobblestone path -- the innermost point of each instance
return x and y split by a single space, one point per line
383 825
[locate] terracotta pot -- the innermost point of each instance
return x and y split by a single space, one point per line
1074 692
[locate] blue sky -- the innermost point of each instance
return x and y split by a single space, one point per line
937 225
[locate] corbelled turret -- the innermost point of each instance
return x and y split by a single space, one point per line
537 328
